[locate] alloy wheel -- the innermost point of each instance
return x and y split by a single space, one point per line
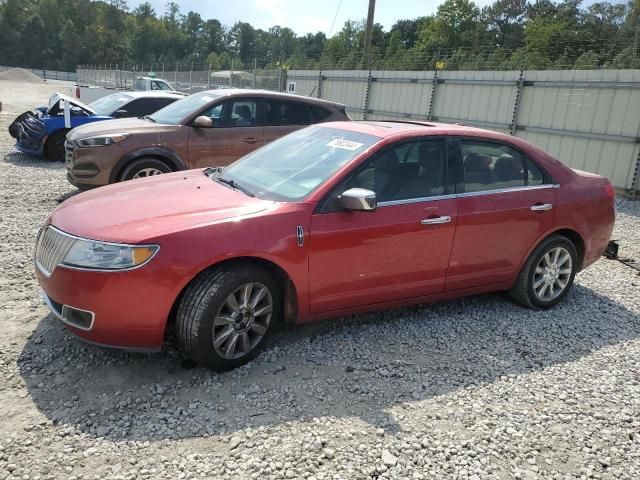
552 274
147 172
242 321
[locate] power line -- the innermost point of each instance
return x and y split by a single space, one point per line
334 18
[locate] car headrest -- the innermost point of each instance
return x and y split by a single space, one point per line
244 111
477 163
508 168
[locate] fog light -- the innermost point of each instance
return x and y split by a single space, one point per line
82 319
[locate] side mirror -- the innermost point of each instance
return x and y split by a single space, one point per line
358 199
203 122
121 113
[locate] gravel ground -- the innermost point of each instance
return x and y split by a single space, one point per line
477 388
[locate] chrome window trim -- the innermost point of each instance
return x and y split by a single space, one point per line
509 190
391 203
88 269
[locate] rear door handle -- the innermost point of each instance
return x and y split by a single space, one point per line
541 207
436 220
250 140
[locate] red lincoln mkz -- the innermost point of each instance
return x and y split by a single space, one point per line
331 220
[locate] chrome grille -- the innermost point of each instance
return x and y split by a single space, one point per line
51 248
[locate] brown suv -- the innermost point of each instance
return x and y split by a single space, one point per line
211 128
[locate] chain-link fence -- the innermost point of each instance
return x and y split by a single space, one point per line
184 78
46 74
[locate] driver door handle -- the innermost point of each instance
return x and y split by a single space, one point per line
541 207
436 220
250 140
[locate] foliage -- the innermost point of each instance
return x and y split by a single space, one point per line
508 34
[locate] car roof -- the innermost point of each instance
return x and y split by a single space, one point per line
152 78
243 92
409 128
153 93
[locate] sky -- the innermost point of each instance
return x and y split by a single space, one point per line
302 16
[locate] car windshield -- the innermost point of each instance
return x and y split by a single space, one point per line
176 112
292 167
110 104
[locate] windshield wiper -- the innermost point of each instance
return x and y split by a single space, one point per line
232 183
147 117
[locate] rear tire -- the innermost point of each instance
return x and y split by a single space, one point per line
226 314
547 275
144 167
55 146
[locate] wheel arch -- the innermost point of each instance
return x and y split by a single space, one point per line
55 133
569 233
170 157
289 290
575 238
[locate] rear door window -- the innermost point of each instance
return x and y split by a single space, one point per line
494 166
278 112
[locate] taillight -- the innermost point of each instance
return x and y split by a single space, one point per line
77 92
607 188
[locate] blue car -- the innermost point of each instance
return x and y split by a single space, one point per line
42 131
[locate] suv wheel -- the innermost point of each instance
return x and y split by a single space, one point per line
548 273
144 167
226 314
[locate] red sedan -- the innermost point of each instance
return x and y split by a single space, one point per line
331 220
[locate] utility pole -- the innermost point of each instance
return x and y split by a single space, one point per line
368 34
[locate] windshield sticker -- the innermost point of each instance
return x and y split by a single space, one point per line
344 144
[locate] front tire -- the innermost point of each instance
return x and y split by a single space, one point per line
144 167
226 314
55 146
548 274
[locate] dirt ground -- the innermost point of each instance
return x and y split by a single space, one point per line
477 388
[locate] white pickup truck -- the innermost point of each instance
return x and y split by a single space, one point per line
88 93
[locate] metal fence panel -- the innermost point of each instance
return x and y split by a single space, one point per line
348 87
484 97
596 104
590 120
399 95
306 82
615 160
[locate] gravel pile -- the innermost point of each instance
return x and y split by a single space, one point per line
20 75
472 389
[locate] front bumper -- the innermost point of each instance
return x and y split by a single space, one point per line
90 167
128 309
30 134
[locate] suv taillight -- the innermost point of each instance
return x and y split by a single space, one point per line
607 188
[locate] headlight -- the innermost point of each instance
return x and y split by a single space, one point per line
102 140
107 256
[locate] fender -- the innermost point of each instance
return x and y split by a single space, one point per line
172 158
549 232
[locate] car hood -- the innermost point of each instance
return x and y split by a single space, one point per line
118 125
55 98
138 210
